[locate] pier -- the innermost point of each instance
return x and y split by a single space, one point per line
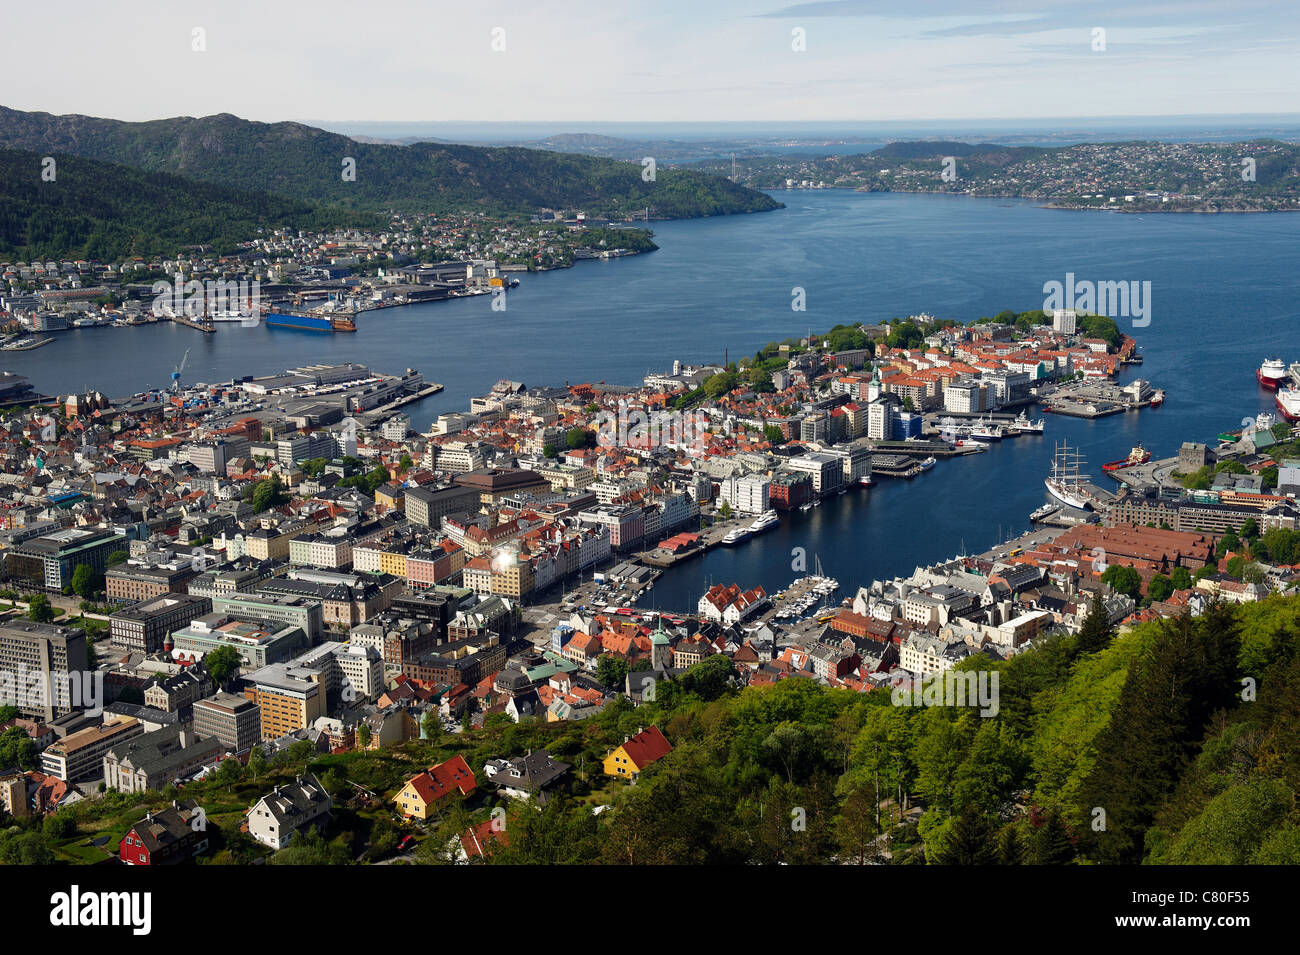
26 344
432 388
206 327
1093 398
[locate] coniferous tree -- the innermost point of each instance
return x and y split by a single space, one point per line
971 841
1096 632
1051 843
1011 848
1166 701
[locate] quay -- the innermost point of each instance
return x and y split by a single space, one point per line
26 345
922 449
432 388
1100 399
709 538
208 328
894 465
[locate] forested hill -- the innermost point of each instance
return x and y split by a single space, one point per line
303 162
101 211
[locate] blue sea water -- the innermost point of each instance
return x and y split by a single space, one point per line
1225 293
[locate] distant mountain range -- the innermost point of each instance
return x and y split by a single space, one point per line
305 163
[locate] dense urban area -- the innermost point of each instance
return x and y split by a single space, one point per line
267 620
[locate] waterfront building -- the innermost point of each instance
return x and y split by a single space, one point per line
826 470
748 494
966 396
856 459
880 417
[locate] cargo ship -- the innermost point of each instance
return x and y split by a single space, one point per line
308 322
1139 455
1271 374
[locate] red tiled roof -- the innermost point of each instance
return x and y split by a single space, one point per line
646 747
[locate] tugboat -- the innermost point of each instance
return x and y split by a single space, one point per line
1139 455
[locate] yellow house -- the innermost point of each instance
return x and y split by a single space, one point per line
393 562
421 795
636 753
393 498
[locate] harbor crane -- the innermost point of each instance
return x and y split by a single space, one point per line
176 372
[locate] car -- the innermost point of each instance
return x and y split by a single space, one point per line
405 843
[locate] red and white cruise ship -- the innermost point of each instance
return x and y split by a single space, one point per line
1272 374
1288 402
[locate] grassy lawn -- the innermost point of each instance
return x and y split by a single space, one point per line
77 852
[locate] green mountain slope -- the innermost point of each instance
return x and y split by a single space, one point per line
302 162
98 210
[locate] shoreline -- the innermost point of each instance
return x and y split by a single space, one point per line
1038 202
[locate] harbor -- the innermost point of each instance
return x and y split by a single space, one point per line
1094 398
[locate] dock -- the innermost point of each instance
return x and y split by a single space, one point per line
894 465
1093 398
710 538
432 388
26 344
206 327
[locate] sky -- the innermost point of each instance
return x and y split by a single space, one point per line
653 60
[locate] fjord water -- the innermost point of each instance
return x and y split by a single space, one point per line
1225 295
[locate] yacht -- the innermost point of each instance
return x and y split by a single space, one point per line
765 520
737 535
927 464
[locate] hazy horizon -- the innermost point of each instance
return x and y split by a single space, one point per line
933 61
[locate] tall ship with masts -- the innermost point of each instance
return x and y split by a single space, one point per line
1066 484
